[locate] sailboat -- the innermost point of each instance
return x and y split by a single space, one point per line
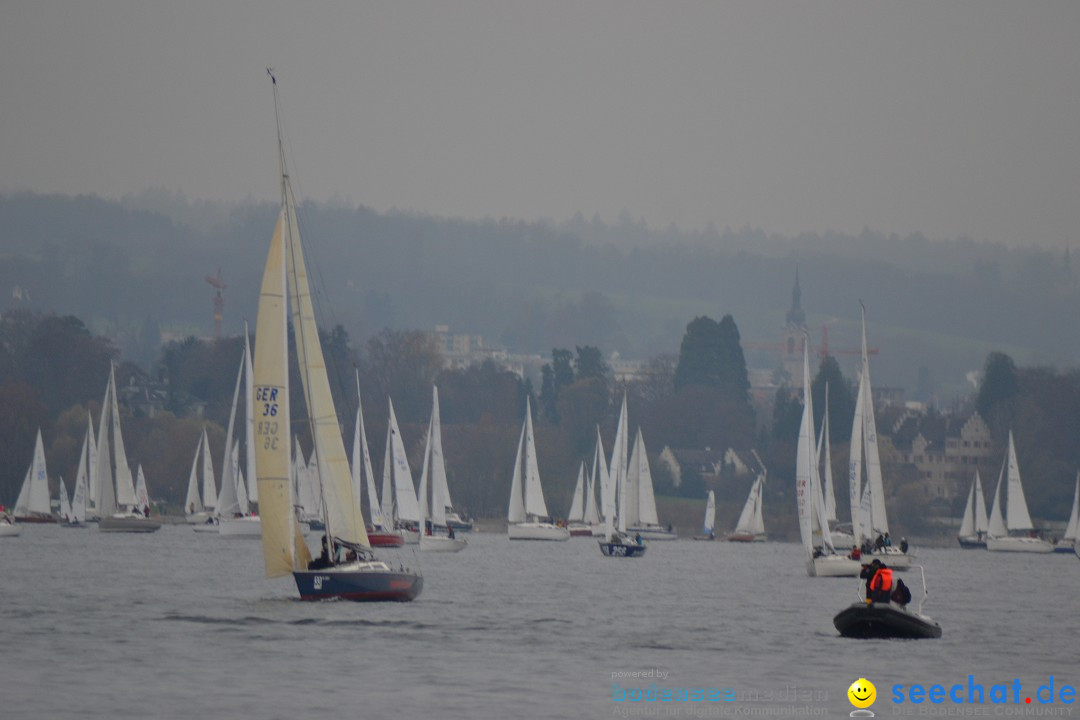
1068 542
198 504
616 541
379 534
584 518
751 525
400 508
77 518
527 516
116 499
233 511
641 501
708 530
32 505
868 518
1015 518
575 519
822 560
433 483
974 525
348 568
840 535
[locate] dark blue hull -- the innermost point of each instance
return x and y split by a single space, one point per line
610 549
362 586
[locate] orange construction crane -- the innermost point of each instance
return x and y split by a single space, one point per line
219 301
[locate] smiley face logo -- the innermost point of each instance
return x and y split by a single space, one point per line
862 693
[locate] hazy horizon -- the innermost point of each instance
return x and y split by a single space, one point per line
949 119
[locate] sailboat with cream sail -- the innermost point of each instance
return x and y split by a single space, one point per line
348 569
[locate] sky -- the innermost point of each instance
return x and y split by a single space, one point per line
950 118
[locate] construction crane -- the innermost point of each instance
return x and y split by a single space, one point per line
219 301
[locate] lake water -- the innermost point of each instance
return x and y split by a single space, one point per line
184 625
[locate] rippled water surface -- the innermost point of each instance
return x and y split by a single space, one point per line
179 624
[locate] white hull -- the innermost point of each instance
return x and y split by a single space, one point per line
833 566
7 530
652 533
536 531
892 557
411 537
198 518
247 526
441 543
1018 544
206 528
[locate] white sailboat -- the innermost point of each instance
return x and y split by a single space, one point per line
641 500
871 521
78 498
822 560
234 514
1068 541
32 505
199 505
974 525
380 534
116 497
1012 530
65 504
527 515
750 526
584 516
708 528
348 569
399 504
434 492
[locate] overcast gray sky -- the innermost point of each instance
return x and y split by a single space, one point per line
950 118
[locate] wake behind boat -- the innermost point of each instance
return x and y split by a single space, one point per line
349 569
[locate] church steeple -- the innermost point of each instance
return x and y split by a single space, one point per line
796 318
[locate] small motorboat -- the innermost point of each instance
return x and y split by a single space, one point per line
886 619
